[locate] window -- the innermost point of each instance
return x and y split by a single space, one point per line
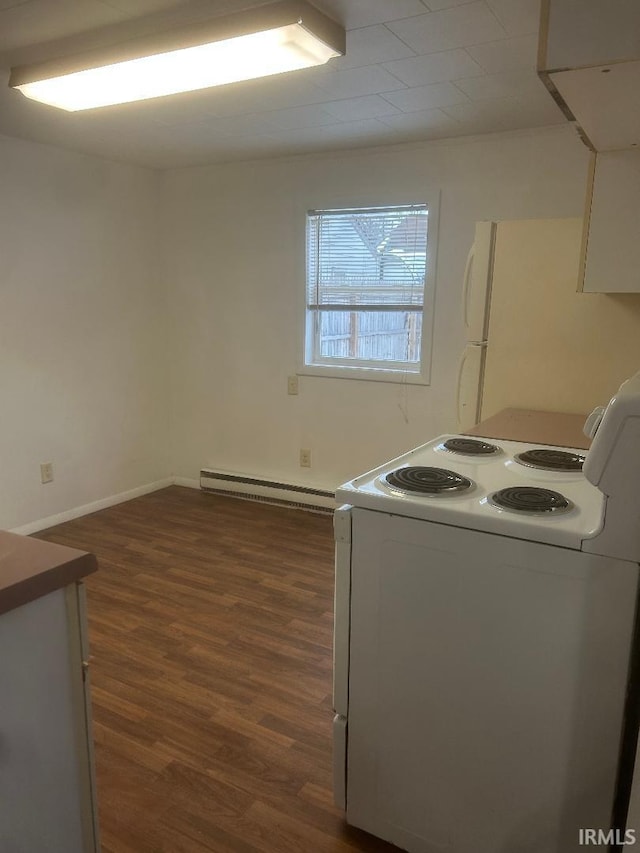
366 272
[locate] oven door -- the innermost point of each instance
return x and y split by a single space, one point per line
486 687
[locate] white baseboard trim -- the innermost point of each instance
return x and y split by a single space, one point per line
258 490
186 482
87 509
268 491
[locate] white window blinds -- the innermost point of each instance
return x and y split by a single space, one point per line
370 258
366 272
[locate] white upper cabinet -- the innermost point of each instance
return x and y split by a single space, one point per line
612 262
605 101
583 33
589 58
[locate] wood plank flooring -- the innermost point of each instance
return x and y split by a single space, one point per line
210 623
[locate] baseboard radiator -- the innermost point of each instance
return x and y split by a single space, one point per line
267 491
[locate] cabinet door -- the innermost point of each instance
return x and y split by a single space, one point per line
613 245
79 656
42 790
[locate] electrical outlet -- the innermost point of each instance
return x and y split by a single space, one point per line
292 385
305 458
46 472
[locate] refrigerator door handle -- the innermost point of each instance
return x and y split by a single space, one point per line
468 269
459 385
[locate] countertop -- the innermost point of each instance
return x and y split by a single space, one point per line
534 427
30 568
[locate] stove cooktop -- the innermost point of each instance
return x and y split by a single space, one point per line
550 459
418 479
493 486
470 447
530 500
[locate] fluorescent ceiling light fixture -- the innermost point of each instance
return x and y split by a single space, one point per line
266 40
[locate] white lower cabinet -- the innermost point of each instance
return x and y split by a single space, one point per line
47 780
340 761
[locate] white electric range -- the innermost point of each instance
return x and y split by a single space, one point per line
513 489
484 625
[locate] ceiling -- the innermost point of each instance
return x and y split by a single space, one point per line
414 70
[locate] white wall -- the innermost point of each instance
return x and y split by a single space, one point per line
82 338
234 266
94 362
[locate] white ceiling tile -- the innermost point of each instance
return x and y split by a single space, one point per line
93 133
170 152
184 9
295 117
541 108
436 5
525 83
425 120
371 45
434 68
225 126
506 55
349 130
344 134
427 97
363 13
495 115
139 7
8 4
172 113
541 111
253 96
137 127
183 108
473 23
473 111
45 20
361 99
369 106
370 80
505 114
270 93
421 34
518 17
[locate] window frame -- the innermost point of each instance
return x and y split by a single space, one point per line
377 374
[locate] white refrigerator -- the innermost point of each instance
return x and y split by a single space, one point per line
532 340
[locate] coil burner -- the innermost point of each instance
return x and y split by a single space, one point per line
529 499
551 460
471 447
417 479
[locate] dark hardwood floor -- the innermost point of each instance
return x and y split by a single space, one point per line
210 622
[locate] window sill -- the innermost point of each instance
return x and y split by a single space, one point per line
396 377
